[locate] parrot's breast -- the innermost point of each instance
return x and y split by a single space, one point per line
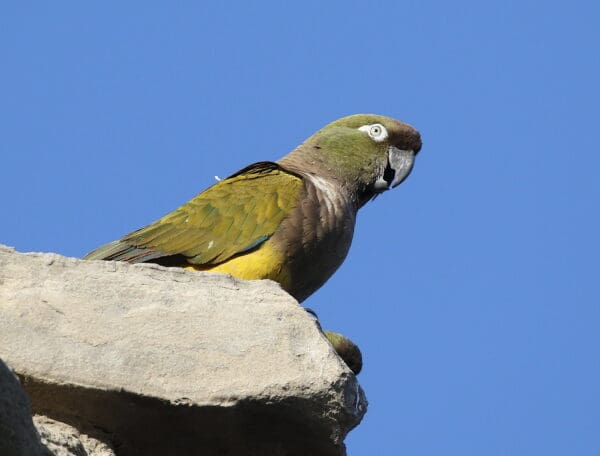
316 236
306 249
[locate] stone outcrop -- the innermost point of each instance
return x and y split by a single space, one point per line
148 360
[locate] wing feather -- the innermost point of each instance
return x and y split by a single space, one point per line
229 218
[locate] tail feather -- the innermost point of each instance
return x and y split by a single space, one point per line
122 251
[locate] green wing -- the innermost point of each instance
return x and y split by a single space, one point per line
231 217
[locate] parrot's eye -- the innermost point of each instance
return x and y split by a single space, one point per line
376 131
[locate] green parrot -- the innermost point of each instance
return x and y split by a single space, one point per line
290 221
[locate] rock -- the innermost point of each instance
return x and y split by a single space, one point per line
63 440
168 361
42 436
18 436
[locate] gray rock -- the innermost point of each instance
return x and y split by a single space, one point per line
18 436
63 440
42 436
169 361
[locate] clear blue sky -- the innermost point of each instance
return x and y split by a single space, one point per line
472 288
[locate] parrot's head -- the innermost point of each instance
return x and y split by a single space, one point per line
366 153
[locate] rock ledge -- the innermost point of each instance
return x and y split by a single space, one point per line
162 361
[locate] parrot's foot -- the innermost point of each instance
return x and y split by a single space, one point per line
345 348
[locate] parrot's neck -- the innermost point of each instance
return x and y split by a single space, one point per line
338 175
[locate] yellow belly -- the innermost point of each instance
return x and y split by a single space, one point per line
262 263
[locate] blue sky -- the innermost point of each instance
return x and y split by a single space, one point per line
472 288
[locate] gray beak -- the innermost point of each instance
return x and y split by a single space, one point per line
401 161
400 164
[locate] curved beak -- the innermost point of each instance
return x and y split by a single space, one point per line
401 162
399 165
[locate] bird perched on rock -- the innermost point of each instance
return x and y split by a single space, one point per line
291 220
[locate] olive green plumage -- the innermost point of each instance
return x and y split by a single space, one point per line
227 219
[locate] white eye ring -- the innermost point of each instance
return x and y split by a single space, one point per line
377 132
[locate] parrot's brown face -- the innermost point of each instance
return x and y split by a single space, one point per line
402 143
367 154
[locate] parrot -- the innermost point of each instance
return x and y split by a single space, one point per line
290 220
